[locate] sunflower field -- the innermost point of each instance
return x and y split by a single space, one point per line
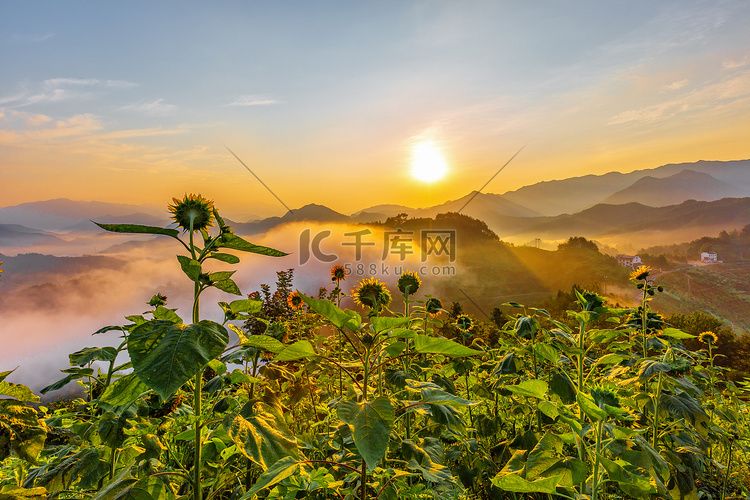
292 396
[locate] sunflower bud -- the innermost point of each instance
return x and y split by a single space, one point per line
158 300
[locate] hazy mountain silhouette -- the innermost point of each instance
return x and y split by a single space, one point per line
673 190
690 217
383 211
311 212
62 213
578 193
14 235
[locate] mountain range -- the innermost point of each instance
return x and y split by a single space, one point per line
672 200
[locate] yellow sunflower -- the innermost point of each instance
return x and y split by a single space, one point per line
433 306
464 323
338 273
371 293
708 338
1 271
193 208
294 300
641 273
408 283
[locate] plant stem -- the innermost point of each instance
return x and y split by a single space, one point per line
595 482
197 381
197 493
656 412
363 480
726 474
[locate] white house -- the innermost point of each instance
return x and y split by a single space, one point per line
709 257
631 261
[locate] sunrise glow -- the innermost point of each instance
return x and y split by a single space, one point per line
428 164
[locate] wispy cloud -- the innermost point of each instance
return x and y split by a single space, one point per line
155 107
62 89
253 100
677 85
733 64
24 38
708 97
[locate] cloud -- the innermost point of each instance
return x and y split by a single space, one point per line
706 98
63 89
677 85
732 64
19 38
253 100
39 128
155 107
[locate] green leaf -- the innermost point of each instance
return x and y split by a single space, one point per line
590 408
118 487
298 350
446 347
275 474
548 408
73 374
425 460
18 391
265 342
246 306
220 275
573 471
372 422
529 388
3 375
651 367
228 286
439 397
328 310
162 312
635 484
561 385
234 242
547 352
526 327
604 336
676 334
388 323
516 483
544 455
138 229
147 488
259 440
241 335
16 493
225 257
89 354
27 432
123 391
191 267
166 355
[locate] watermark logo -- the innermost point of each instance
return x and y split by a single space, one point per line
398 245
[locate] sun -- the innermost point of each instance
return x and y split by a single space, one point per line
427 164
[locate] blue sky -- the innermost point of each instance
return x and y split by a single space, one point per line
131 101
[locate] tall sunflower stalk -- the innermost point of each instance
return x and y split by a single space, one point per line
192 214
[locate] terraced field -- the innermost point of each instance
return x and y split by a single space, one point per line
720 289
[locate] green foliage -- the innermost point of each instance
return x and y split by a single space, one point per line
575 399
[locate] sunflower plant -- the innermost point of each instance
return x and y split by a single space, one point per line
165 353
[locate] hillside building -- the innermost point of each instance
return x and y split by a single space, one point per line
631 261
709 258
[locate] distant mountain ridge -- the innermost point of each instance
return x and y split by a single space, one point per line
578 193
62 213
673 190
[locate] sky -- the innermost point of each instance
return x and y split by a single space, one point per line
327 101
